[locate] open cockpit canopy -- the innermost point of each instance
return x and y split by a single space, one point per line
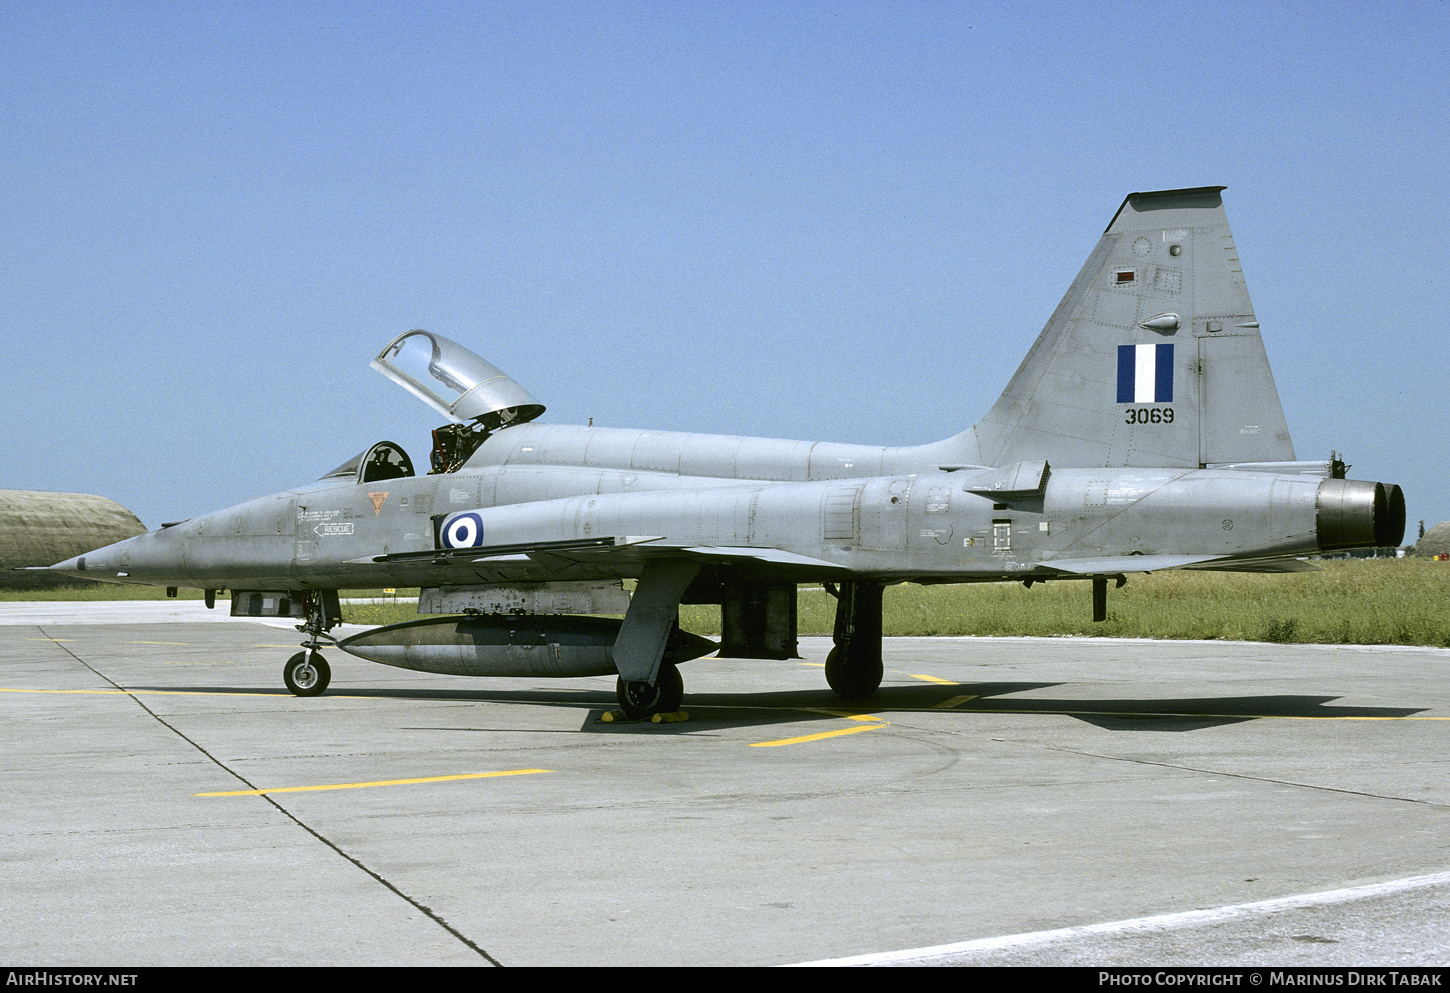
475 395
455 382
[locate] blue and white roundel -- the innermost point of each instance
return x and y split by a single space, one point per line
463 531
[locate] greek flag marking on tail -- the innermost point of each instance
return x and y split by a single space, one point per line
1145 373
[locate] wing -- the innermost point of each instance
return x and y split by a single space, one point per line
594 557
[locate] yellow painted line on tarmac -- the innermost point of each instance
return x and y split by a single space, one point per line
1065 712
217 692
822 735
1304 717
868 722
954 701
381 782
845 715
9 689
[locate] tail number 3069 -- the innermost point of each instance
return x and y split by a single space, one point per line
1149 415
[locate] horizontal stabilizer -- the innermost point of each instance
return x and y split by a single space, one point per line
1112 564
1258 565
1322 468
1020 479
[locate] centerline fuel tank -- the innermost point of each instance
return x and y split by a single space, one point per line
502 645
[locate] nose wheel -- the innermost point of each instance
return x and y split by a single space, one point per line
307 674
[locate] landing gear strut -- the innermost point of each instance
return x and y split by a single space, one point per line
1100 595
307 673
853 668
649 684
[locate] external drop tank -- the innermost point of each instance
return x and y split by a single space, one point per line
501 645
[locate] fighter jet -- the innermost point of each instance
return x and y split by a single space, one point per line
1142 432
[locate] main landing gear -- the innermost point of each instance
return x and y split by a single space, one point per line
307 673
853 668
649 684
1100 595
640 700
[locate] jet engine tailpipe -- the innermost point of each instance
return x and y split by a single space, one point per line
1353 513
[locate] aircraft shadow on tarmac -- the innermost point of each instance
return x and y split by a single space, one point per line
714 710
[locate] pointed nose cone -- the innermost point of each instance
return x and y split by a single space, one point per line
71 567
109 564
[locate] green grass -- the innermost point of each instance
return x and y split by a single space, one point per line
95 591
1359 602
122 591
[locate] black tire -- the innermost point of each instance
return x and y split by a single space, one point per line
853 678
304 679
637 700
672 688
640 700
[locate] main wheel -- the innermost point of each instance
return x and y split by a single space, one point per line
853 678
672 688
639 699
307 674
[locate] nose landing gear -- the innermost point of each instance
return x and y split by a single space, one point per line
307 673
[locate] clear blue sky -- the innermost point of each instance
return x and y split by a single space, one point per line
836 221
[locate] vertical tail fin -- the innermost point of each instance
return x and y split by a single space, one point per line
1153 358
